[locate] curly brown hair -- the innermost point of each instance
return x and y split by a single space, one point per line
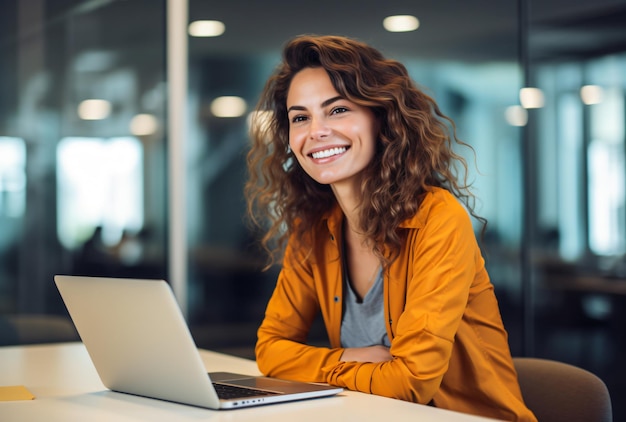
414 148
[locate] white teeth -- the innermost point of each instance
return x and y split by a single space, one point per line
329 152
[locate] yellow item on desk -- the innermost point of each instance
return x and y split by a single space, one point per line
15 392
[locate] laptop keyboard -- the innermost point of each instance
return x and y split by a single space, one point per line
227 391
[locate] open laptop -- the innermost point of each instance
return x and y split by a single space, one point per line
140 344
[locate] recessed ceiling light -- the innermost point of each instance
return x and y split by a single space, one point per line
206 28
531 97
591 94
228 106
144 124
94 109
401 23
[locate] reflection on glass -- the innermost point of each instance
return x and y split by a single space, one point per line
571 236
582 189
100 184
12 177
607 231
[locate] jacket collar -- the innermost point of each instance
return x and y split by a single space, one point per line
334 217
334 221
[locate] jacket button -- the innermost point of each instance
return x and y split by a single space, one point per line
336 299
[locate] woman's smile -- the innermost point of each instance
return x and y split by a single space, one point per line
327 153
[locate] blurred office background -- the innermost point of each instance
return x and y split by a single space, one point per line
123 134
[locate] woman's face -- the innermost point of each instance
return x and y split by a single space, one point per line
333 139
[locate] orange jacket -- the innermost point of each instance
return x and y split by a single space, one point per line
448 342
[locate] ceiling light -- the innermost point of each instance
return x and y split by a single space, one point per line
591 94
228 106
516 116
143 124
94 109
531 97
206 28
401 23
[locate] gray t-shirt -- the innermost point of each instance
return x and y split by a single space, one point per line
363 323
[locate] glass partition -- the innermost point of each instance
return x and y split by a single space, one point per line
82 155
577 59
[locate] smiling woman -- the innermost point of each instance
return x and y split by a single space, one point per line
355 173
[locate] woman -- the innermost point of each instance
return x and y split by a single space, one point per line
352 166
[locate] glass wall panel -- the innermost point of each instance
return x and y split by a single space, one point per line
578 60
82 156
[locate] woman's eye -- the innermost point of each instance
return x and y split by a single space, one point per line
298 118
338 110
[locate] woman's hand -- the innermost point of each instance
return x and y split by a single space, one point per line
366 354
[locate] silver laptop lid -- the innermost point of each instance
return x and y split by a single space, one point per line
140 344
137 338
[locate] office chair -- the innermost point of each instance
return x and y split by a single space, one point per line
556 391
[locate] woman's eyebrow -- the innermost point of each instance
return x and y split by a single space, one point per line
325 103
331 100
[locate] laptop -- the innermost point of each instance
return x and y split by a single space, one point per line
140 344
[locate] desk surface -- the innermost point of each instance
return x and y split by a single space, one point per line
67 388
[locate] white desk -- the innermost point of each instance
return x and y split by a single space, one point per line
67 388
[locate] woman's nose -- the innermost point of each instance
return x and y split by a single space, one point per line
318 128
